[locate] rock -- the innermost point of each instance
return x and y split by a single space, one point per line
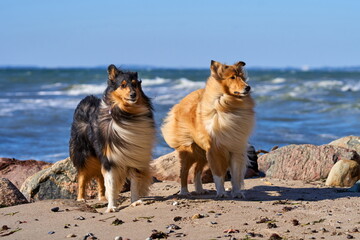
17 170
9 194
344 174
349 142
57 181
167 168
303 162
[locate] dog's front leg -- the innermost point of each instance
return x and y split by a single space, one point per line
238 163
113 182
218 162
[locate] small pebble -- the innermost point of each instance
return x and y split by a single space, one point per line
275 236
295 222
231 231
177 218
271 225
118 238
4 228
51 232
180 234
213 223
71 235
55 209
173 227
80 218
350 236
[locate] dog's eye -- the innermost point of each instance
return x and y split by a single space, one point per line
232 77
123 85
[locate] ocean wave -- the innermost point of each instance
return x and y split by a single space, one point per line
351 87
155 81
86 89
54 85
184 83
278 80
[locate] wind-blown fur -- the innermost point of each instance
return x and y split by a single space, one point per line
212 125
112 138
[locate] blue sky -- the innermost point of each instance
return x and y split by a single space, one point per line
187 33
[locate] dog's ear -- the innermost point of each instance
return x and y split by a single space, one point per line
113 72
240 64
215 68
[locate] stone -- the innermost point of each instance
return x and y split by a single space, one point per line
19 170
10 194
349 142
57 182
344 173
303 162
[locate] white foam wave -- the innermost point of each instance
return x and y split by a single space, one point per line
50 93
155 81
184 83
266 89
351 87
278 80
86 89
54 85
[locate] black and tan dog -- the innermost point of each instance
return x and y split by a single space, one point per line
212 125
112 138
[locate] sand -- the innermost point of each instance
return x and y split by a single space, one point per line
273 208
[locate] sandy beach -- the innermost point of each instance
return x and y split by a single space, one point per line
273 209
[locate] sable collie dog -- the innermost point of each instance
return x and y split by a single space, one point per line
212 125
112 138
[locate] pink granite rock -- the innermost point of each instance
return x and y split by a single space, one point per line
303 162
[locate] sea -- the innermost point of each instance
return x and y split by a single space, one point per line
293 106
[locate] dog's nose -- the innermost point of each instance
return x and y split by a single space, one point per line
247 88
133 95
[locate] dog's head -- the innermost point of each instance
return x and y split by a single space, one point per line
125 86
231 77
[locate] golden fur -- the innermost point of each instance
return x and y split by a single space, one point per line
212 125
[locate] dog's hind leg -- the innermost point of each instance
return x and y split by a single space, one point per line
200 157
238 163
114 179
83 178
101 187
186 156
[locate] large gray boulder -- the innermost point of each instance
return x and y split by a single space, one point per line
57 181
10 194
303 162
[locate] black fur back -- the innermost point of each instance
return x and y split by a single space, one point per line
83 130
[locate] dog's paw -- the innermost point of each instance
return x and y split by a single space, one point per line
137 203
110 209
81 200
221 195
184 192
102 199
238 194
201 192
